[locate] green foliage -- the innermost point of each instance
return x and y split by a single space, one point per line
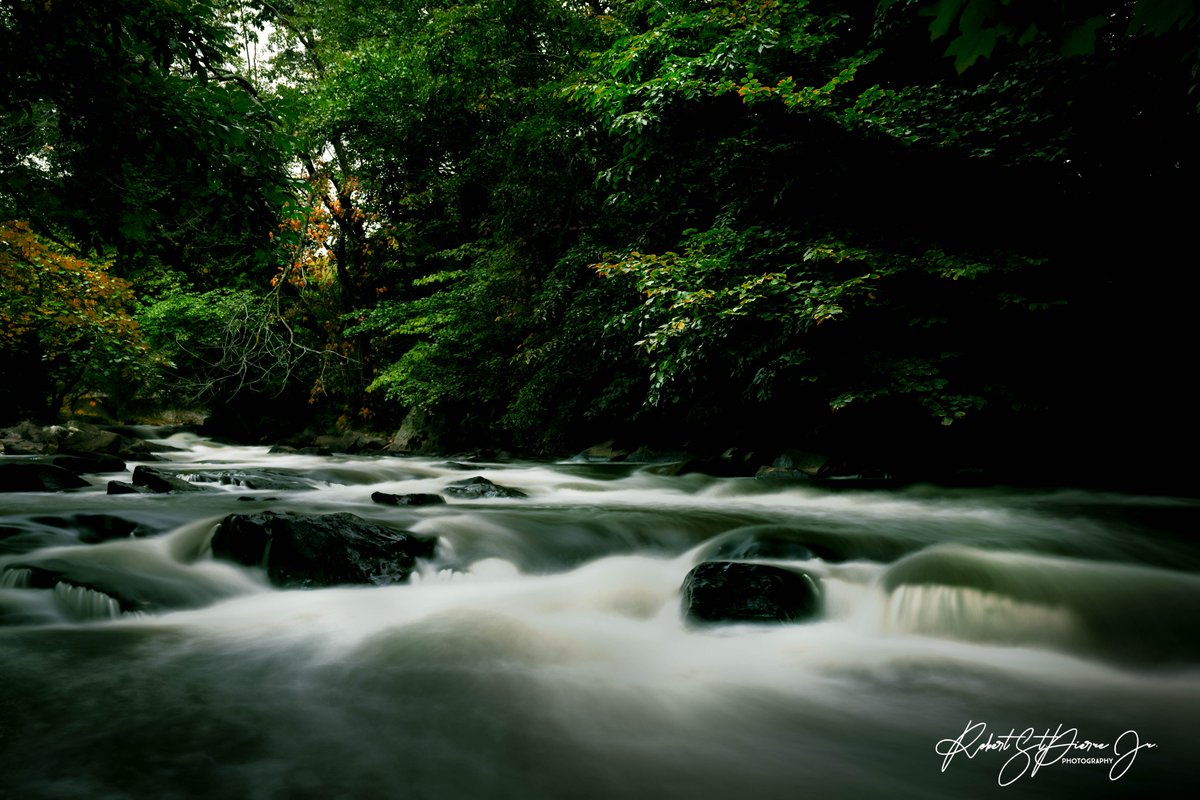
65 327
122 123
755 309
795 206
222 343
976 27
540 221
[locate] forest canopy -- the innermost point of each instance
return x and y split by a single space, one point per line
879 226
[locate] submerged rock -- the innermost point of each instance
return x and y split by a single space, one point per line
790 542
94 528
480 487
775 542
388 499
732 591
320 549
38 478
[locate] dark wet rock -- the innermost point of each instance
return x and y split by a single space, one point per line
23 448
416 435
161 482
648 455
302 450
837 475
38 478
460 466
803 461
605 451
87 438
140 450
734 591
802 466
85 464
28 438
123 487
79 439
250 479
480 487
352 442
717 467
782 474
143 432
407 499
320 550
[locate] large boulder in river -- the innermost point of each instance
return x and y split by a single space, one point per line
733 591
480 487
161 482
38 478
388 499
416 435
320 549
88 438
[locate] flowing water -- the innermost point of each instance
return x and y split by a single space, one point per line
543 653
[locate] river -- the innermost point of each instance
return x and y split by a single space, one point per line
967 639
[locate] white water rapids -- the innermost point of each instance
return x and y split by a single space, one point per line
543 653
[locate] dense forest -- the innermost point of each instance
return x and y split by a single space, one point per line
935 233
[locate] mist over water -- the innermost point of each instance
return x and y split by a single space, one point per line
543 652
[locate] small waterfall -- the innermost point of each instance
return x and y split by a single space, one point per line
83 604
16 578
969 614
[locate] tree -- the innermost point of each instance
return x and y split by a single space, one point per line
66 328
123 124
821 220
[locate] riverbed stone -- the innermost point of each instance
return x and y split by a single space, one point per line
739 592
309 550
